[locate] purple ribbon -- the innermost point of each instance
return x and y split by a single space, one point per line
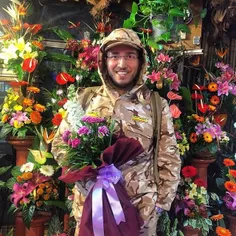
107 176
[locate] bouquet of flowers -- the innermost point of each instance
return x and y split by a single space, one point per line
230 186
35 186
192 200
93 153
20 114
205 136
21 49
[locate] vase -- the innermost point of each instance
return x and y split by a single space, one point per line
190 231
37 225
201 165
232 224
21 145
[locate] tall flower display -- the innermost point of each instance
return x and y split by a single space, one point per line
21 51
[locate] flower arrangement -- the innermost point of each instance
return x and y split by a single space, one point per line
35 186
191 201
21 49
85 146
229 198
20 115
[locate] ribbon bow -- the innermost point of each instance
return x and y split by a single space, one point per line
107 177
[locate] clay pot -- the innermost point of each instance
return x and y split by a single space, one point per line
190 231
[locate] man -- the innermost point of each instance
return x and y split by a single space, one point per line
125 98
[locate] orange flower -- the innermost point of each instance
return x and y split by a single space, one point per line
4 22
16 28
39 191
175 111
42 186
17 83
211 108
48 139
33 89
27 175
233 173
212 87
215 100
48 190
220 231
39 203
19 179
28 102
5 118
22 10
6 37
207 137
228 162
35 117
230 186
38 45
196 60
198 118
217 217
39 107
193 138
221 52
46 197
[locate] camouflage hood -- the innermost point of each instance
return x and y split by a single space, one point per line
118 37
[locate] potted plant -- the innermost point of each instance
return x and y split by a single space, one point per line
190 204
35 192
165 18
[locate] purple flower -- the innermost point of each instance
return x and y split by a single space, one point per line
65 136
91 119
103 131
75 142
19 116
84 130
230 200
233 90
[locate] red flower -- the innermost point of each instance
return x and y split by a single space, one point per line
29 64
196 96
200 183
202 107
34 28
62 102
64 78
57 119
198 87
189 171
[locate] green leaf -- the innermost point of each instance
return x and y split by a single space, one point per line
2 184
128 24
220 183
182 27
176 12
27 214
10 182
11 209
60 204
15 171
6 129
134 8
4 169
186 95
165 37
61 33
61 57
203 13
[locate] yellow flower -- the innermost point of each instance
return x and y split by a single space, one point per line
20 44
18 108
17 124
207 137
30 55
29 109
62 112
5 106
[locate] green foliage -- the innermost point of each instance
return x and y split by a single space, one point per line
55 226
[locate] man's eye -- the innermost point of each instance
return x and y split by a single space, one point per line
131 56
114 57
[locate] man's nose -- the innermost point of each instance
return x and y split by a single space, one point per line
122 62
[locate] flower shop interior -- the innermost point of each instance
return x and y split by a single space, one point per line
48 49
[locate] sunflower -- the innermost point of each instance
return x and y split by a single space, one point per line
207 137
220 231
212 87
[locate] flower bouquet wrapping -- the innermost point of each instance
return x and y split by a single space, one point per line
90 156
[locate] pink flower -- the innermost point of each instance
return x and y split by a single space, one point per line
84 130
163 58
173 96
175 112
21 192
154 77
223 88
75 142
103 131
91 119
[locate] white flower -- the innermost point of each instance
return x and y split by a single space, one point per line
27 167
75 113
8 53
47 170
235 125
59 92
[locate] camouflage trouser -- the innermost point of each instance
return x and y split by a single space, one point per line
150 226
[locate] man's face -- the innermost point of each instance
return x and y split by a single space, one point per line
122 65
